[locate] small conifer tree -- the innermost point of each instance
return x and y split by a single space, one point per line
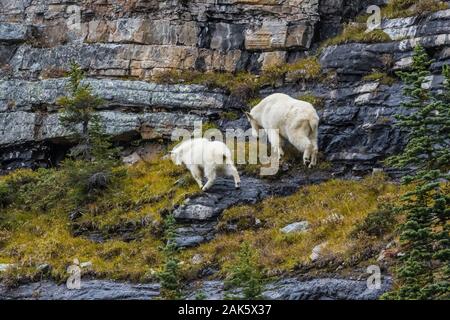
423 272
245 274
79 118
170 275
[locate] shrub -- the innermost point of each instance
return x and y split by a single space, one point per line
308 68
245 85
316 101
5 194
377 223
405 8
230 115
170 275
245 274
381 77
356 32
424 268
77 113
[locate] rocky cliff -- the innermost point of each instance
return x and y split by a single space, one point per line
123 44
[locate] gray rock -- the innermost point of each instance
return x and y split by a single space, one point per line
197 259
186 242
194 212
317 251
90 290
44 268
296 289
5 266
324 289
301 226
13 32
23 95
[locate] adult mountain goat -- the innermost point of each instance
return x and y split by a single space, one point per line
208 158
296 121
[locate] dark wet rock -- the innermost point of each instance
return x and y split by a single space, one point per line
285 289
75 214
223 194
44 268
90 290
13 32
98 181
189 241
194 234
324 289
296 289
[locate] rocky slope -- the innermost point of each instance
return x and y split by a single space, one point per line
287 289
123 45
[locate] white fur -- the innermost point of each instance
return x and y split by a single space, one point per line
205 158
297 122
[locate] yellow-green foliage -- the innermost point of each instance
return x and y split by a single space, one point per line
317 204
308 68
381 77
405 8
244 84
253 102
35 226
147 190
316 101
356 32
230 115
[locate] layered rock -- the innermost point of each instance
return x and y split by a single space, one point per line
288 289
132 109
135 39
139 38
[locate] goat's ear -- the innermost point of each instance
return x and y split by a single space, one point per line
249 116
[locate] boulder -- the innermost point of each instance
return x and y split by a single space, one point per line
295 227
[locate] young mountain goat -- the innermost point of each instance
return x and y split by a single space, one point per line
296 121
209 158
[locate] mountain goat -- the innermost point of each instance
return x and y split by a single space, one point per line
209 158
296 121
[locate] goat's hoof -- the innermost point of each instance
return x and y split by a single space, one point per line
238 186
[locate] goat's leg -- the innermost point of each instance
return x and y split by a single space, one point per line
196 174
302 144
314 154
232 171
211 175
275 143
315 145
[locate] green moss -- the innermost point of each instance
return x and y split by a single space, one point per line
245 85
317 102
308 68
230 115
406 8
356 32
380 77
